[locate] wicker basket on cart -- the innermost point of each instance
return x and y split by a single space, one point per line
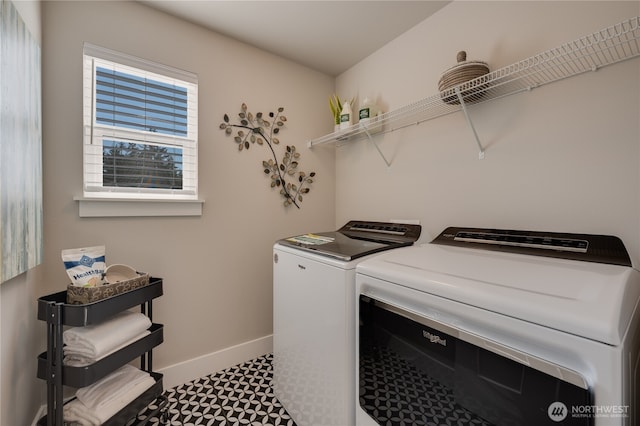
77 295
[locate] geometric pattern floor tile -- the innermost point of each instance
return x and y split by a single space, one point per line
395 392
240 395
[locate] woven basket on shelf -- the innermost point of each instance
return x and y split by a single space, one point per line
77 295
460 73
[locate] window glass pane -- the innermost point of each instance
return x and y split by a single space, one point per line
129 101
138 165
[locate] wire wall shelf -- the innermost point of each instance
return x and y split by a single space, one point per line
609 46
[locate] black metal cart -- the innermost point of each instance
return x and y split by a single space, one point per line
55 310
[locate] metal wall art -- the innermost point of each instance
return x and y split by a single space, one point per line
258 129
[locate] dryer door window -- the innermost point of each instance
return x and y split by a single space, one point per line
416 371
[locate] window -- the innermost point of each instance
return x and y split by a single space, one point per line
140 128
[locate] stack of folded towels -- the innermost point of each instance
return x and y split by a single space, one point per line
85 345
97 403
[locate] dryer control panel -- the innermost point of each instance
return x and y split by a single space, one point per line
585 247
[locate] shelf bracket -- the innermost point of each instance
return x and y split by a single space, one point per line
473 129
366 131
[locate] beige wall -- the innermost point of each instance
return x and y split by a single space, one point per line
563 157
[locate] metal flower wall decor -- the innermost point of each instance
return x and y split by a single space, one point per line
256 129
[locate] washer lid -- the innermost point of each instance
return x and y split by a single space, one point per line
356 239
592 300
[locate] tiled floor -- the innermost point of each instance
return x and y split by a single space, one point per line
240 395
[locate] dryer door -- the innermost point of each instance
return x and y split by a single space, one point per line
414 370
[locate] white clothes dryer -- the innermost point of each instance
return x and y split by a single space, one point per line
499 327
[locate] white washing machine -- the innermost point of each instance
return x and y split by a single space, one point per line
499 327
314 317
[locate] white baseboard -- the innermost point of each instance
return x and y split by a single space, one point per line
204 365
41 413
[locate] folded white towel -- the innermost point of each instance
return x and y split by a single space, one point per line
80 359
75 412
79 412
94 341
111 387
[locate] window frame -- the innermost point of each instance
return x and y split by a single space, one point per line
94 133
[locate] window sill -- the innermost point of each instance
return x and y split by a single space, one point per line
120 207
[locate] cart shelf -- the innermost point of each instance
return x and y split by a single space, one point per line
79 377
91 313
129 412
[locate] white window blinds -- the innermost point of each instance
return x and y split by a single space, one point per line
140 128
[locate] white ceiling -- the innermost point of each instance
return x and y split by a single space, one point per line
329 36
